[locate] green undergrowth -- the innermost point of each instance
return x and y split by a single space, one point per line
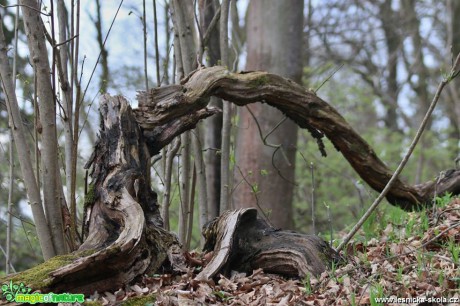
147 300
397 254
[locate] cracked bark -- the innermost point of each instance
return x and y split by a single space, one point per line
124 230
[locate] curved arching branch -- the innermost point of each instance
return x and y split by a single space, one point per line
162 105
123 230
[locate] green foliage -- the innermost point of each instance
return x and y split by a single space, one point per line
307 284
140 300
424 224
410 226
353 299
222 295
400 273
336 182
370 226
444 200
376 292
454 249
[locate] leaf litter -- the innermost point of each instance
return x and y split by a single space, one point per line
422 265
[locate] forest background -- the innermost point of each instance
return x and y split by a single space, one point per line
377 62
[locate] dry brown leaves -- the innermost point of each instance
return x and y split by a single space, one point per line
398 266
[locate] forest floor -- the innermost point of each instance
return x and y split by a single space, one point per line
408 259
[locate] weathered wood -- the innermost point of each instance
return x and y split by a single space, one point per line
122 221
240 241
122 224
303 106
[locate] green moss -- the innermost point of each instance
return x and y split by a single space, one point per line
90 197
38 276
113 250
323 258
140 300
86 253
259 81
231 78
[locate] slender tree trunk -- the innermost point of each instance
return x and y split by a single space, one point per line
47 105
266 174
213 125
185 184
105 76
144 30
184 33
170 153
227 115
15 120
75 86
184 180
173 149
9 220
9 223
453 42
389 24
67 117
420 87
199 173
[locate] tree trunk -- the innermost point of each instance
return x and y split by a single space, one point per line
124 235
213 125
453 107
392 40
420 87
67 119
47 105
274 44
30 181
226 114
105 76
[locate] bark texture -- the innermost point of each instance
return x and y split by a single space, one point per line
240 241
308 111
22 148
122 223
275 38
213 125
47 105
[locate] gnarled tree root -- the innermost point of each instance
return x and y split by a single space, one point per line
242 242
122 224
